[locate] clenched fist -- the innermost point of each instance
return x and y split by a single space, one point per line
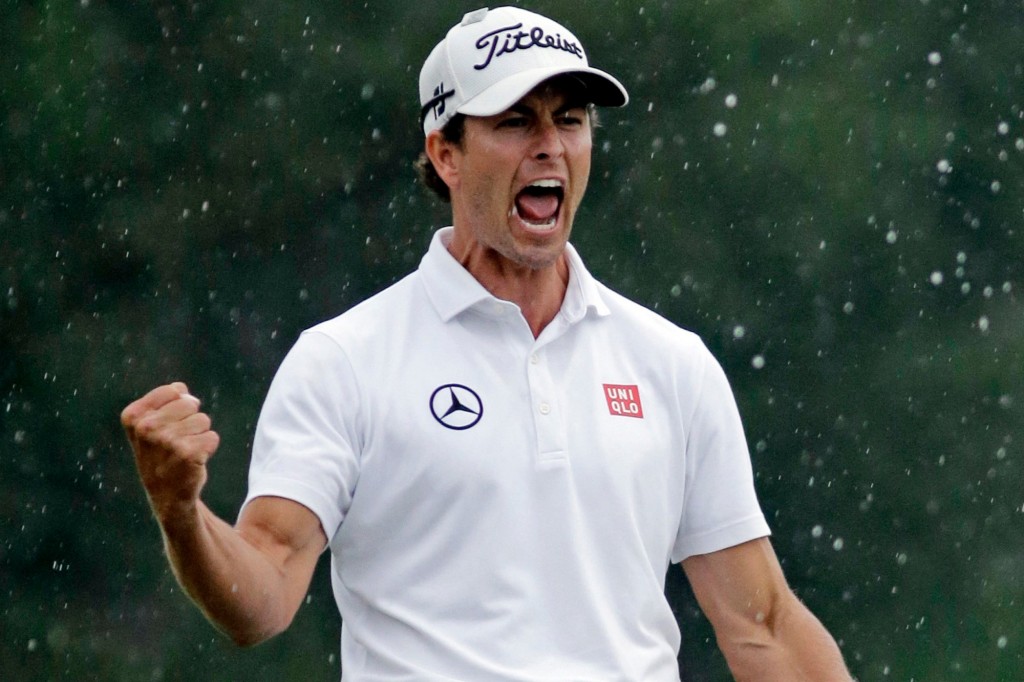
172 440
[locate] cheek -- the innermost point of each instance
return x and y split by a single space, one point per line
581 170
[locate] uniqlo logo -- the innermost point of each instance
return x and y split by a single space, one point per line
624 400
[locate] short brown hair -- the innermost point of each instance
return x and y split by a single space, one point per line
453 132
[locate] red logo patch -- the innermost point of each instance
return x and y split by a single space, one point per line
623 400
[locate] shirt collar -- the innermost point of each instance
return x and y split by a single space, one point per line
452 290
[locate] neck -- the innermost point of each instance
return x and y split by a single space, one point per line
538 292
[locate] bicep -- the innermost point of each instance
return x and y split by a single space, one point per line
739 588
288 535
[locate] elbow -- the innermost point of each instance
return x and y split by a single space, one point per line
250 637
250 633
247 640
756 637
784 642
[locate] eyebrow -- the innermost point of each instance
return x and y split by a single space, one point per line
526 110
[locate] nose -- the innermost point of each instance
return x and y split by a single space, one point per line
548 143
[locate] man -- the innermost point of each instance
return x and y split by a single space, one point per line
503 455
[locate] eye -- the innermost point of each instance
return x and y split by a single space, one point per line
573 117
512 122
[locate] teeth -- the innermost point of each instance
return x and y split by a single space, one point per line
546 224
546 183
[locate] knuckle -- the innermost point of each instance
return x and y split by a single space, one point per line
146 427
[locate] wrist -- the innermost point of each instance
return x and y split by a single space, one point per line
177 516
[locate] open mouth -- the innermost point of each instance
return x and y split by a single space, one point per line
538 204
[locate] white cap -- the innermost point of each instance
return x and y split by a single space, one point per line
493 58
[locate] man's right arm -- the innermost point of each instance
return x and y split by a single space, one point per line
249 579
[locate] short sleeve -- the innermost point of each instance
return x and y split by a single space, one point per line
306 446
720 506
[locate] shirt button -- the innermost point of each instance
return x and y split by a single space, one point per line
534 359
544 408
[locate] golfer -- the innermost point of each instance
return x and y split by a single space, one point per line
503 456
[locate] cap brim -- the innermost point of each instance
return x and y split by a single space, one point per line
601 88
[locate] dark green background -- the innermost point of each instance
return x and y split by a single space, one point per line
185 186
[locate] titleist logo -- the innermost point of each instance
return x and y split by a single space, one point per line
515 39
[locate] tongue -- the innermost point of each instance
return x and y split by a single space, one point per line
537 209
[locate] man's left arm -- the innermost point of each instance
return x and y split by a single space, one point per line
763 630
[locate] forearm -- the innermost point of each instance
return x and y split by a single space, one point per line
790 645
248 580
237 587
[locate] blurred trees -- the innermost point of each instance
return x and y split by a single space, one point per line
831 194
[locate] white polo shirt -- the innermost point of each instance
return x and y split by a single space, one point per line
501 507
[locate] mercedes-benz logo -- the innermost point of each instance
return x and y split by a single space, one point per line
456 406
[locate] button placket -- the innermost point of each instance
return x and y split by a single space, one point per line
550 422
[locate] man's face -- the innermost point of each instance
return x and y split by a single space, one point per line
520 176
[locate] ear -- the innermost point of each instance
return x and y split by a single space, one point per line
444 156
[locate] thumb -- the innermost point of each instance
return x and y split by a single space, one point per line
182 390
